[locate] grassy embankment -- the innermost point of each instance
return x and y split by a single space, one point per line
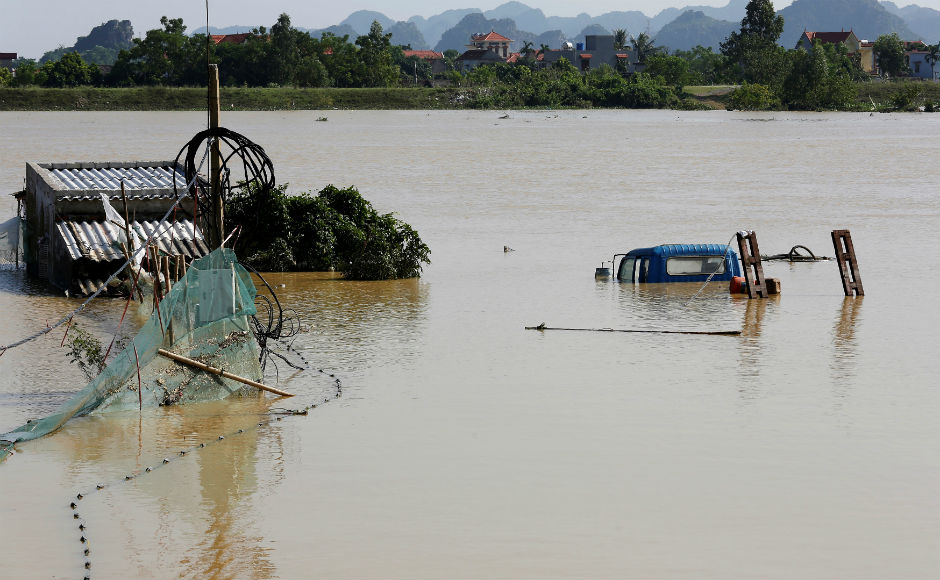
194 99
269 99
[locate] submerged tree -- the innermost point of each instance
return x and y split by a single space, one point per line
337 229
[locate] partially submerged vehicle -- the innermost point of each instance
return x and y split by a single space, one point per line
675 263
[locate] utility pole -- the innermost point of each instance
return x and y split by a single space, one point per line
216 233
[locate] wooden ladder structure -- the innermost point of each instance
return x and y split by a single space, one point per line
751 264
848 265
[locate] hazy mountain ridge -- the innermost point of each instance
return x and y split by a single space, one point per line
866 18
671 27
923 21
694 28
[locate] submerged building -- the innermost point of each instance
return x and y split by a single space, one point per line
67 240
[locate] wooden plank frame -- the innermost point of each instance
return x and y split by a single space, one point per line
751 264
848 265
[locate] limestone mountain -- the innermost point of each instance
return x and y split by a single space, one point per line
361 21
693 28
925 22
102 44
866 18
407 34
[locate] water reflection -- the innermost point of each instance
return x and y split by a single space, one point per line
750 350
350 324
676 306
844 345
207 489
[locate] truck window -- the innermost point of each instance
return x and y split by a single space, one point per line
627 266
695 265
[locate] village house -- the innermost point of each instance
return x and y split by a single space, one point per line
473 58
67 240
851 42
917 55
597 50
866 53
240 38
435 59
6 59
493 41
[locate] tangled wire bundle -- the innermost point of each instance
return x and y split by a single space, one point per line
256 166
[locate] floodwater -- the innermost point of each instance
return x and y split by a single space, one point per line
466 446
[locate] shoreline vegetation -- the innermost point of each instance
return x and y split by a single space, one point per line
870 96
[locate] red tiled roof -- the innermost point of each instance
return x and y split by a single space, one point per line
623 55
230 38
491 36
827 37
425 54
586 55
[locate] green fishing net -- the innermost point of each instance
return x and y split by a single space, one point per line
203 317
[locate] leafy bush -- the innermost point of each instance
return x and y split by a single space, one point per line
752 97
337 229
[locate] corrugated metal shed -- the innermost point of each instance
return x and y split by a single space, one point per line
98 241
109 178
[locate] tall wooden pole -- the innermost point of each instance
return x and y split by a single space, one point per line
215 234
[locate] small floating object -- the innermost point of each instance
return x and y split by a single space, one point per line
322 119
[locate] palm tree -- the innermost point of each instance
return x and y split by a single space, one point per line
643 47
933 55
620 39
527 50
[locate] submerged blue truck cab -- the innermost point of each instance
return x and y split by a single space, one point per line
677 263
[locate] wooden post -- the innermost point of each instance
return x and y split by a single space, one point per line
751 264
127 223
202 366
19 225
848 265
166 274
215 233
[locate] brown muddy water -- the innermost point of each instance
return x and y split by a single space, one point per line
466 446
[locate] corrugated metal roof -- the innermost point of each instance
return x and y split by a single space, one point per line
109 178
112 197
98 241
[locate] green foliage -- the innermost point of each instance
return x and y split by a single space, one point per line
68 71
26 71
889 54
905 97
821 80
754 48
620 39
85 350
752 97
706 66
163 57
643 47
6 77
335 230
674 70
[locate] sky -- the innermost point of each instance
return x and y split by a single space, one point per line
32 27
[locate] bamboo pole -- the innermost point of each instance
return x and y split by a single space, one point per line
202 366
217 228
710 332
166 274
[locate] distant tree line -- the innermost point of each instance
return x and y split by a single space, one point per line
769 76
